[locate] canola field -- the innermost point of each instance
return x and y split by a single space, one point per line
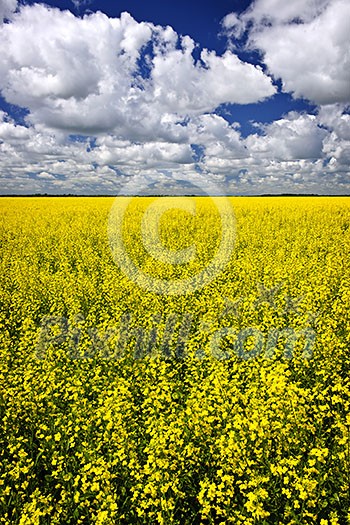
226 400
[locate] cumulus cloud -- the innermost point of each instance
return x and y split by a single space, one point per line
153 154
293 137
336 118
305 43
220 139
82 75
7 8
9 131
46 176
298 153
279 11
69 72
336 146
222 79
233 25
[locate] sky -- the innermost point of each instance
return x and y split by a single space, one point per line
109 96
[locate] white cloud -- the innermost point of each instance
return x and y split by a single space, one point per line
233 25
305 43
335 118
293 154
9 131
298 153
44 175
221 140
70 72
82 75
336 146
293 137
153 154
7 8
280 11
184 87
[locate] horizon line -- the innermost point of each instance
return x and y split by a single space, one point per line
43 195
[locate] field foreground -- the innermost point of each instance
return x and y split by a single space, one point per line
123 404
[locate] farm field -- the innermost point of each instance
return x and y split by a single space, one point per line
123 404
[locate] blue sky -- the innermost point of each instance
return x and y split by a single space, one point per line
250 95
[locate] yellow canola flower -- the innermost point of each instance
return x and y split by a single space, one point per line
229 404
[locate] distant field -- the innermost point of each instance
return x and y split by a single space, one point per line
126 400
